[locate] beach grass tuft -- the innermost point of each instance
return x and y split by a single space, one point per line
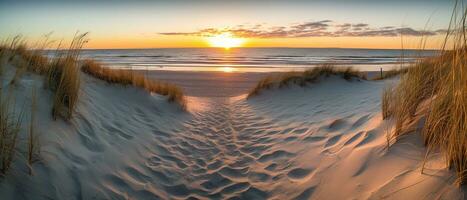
391 73
10 124
305 77
130 77
61 73
63 78
437 85
386 105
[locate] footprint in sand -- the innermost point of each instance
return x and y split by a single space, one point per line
275 155
367 139
333 140
271 167
306 194
314 138
299 174
258 177
336 125
354 138
360 121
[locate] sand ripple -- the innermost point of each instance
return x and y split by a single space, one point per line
297 146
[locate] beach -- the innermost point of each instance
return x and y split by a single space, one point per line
210 84
217 84
289 143
234 100
214 72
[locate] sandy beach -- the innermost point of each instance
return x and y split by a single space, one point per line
294 143
216 84
210 84
234 100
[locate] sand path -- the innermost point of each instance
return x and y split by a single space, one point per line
221 153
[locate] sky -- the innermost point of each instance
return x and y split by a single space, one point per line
378 24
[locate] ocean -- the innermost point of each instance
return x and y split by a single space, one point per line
253 59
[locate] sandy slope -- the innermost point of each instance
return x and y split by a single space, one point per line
343 146
325 141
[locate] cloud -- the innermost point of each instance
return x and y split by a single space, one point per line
323 28
360 25
313 25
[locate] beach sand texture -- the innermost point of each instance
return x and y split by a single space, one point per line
323 141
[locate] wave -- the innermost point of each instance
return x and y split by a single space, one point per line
262 58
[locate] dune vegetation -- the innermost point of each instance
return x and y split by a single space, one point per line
391 73
61 73
435 90
130 77
61 76
10 124
305 77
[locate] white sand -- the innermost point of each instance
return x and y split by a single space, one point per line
324 141
210 84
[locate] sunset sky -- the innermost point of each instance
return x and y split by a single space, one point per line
184 23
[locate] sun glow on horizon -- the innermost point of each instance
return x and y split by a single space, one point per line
227 69
225 40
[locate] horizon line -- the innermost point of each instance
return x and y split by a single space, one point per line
420 49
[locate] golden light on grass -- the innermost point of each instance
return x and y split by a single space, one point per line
305 77
130 77
434 91
225 40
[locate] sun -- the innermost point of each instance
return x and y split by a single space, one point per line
225 40
227 69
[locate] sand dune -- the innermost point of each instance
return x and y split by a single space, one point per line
325 141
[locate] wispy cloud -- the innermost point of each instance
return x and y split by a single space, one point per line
323 28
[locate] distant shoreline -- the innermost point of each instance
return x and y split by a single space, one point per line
215 84
233 48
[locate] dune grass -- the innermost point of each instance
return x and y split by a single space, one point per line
61 73
386 106
391 73
439 85
130 77
10 124
32 56
63 77
64 80
305 77
20 69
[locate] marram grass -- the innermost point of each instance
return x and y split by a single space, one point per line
304 78
130 77
439 86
